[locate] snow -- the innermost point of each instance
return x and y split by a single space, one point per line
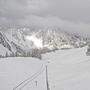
68 69
13 71
50 38
3 50
37 42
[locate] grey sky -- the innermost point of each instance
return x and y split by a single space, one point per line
65 13
75 10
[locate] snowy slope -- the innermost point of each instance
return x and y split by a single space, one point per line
4 51
5 46
21 41
51 37
68 69
14 71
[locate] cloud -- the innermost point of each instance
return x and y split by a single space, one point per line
75 10
14 10
24 12
37 4
66 25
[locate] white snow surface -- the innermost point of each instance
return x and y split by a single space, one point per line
68 69
13 71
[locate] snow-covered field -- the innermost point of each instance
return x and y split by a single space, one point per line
67 70
22 74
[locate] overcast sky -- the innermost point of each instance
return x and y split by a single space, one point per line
64 12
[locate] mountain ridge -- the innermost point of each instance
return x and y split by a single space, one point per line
51 38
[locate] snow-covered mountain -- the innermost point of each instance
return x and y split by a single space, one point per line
5 46
24 40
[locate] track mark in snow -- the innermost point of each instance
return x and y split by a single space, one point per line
30 79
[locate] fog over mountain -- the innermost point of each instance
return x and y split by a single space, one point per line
71 15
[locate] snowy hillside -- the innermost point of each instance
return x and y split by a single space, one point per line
68 69
31 41
22 74
4 51
51 37
5 47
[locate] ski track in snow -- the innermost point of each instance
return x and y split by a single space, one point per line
22 74
67 70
